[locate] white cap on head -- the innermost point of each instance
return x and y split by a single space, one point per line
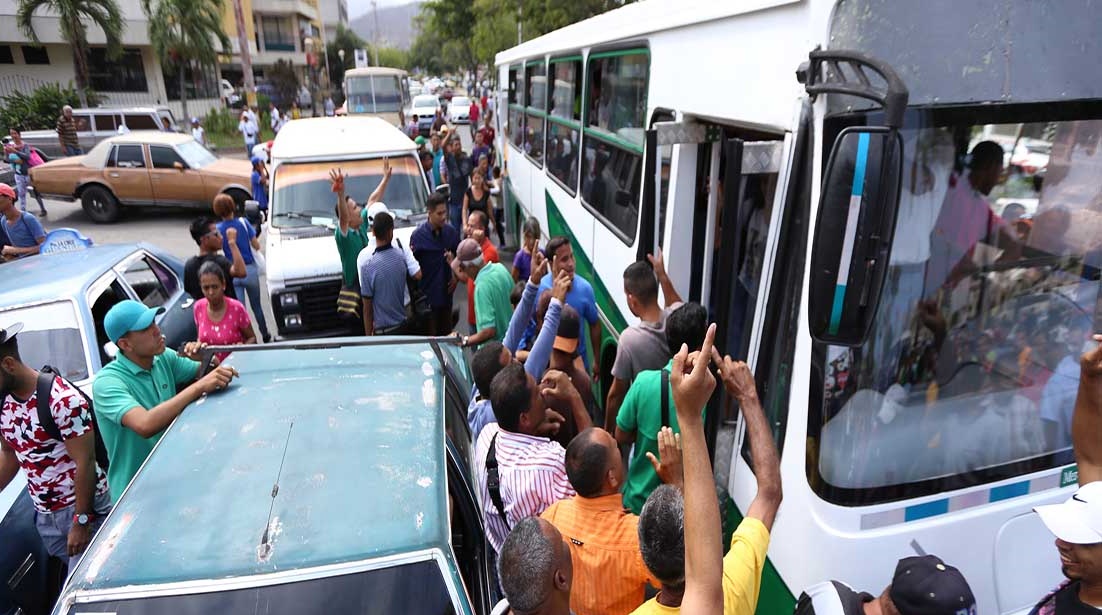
1078 520
376 208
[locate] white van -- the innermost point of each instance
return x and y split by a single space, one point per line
303 266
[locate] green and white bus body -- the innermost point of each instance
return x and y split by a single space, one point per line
682 125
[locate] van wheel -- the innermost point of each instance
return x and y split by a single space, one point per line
100 205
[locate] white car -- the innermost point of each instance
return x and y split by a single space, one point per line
459 110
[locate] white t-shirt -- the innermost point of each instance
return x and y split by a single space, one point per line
197 134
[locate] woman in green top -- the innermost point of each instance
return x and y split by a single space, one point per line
351 234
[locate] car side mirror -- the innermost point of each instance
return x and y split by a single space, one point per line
179 166
853 233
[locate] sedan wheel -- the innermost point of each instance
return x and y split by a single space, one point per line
100 205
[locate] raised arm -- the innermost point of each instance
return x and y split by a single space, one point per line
152 421
523 313
1086 423
380 190
668 290
237 263
346 211
692 386
539 356
739 382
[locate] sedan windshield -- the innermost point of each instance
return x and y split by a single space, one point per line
195 155
301 194
51 336
461 101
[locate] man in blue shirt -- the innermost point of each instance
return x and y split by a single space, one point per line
580 297
24 231
433 244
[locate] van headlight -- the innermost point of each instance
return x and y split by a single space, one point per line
288 301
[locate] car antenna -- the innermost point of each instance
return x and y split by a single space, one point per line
265 548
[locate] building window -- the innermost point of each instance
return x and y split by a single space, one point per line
35 55
6 55
123 74
199 84
279 34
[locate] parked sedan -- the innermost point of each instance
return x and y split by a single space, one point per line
459 110
144 168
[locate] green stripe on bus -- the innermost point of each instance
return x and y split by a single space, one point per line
608 137
516 107
536 112
557 225
554 119
621 52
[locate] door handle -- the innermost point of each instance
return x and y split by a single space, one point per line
113 174
187 303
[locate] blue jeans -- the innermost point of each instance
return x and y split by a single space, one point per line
455 215
21 183
54 527
72 150
249 286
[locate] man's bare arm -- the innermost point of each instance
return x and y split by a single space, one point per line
1086 423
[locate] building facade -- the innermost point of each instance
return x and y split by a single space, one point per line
333 13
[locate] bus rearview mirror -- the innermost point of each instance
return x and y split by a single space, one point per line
853 233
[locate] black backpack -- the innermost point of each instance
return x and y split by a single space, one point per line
46 418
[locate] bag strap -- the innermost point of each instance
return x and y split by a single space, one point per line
665 397
493 482
43 392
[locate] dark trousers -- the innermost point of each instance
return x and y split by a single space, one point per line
499 223
440 323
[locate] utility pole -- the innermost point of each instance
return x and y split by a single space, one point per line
375 32
246 59
520 38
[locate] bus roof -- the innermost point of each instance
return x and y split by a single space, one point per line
336 137
373 70
631 21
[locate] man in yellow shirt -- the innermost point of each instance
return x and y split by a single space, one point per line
662 521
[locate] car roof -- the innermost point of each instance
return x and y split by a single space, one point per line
46 277
353 435
334 137
110 109
155 137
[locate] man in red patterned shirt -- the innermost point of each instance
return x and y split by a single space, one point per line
67 487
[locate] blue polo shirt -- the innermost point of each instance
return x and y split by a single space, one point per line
428 248
122 386
383 280
582 299
25 231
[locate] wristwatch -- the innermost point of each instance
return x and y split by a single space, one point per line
465 338
83 519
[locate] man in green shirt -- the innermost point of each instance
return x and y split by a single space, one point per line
640 415
135 395
493 285
351 233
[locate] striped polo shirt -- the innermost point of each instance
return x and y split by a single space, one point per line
383 280
532 472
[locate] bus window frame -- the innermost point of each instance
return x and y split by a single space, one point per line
516 102
579 80
598 53
539 112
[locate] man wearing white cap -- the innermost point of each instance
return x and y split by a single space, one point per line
1077 523
197 131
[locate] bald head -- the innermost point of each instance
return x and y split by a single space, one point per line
535 569
593 463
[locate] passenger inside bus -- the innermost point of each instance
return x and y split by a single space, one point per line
971 363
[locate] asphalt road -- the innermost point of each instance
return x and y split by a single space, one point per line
163 227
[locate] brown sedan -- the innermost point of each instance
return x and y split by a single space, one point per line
143 168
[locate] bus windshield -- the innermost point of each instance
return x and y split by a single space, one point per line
373 94
971 369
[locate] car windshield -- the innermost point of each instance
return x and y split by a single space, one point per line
415 589
195 155
301 194
50 336
461 101
373 93
426 102
971 369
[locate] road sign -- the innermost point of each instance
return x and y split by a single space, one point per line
361 58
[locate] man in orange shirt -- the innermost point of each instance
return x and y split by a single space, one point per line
603 536
477 223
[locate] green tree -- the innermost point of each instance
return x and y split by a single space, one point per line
182 33
348 41
73 15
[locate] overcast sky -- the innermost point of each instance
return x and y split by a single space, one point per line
359 7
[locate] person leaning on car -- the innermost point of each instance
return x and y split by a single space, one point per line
135 395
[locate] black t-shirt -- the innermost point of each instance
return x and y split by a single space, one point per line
832 598
191 274
1066 600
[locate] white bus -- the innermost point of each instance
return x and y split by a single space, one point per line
914 347
379 91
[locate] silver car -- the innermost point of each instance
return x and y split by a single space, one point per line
96 124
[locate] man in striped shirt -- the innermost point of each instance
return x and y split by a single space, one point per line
520 470
383 283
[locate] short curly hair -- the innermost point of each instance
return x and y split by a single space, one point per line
224 206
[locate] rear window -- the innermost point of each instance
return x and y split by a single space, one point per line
413 589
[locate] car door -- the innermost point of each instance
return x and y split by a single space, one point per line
157 285
172 184
127 174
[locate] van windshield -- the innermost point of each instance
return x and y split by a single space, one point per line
971 369
416 589
301 193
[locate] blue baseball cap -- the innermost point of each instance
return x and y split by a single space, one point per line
127 316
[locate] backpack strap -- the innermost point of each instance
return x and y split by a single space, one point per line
493 482
43 392
665 398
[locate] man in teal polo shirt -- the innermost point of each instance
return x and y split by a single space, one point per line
135 395
493 285
640 415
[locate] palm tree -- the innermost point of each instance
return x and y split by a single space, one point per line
73 15
183 33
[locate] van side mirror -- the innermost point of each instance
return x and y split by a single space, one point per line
853 233
252 209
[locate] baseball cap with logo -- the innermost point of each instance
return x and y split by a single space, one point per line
1079 519
925 585
126 316
570 329
468 253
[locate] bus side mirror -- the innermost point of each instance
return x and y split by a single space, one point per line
853 234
